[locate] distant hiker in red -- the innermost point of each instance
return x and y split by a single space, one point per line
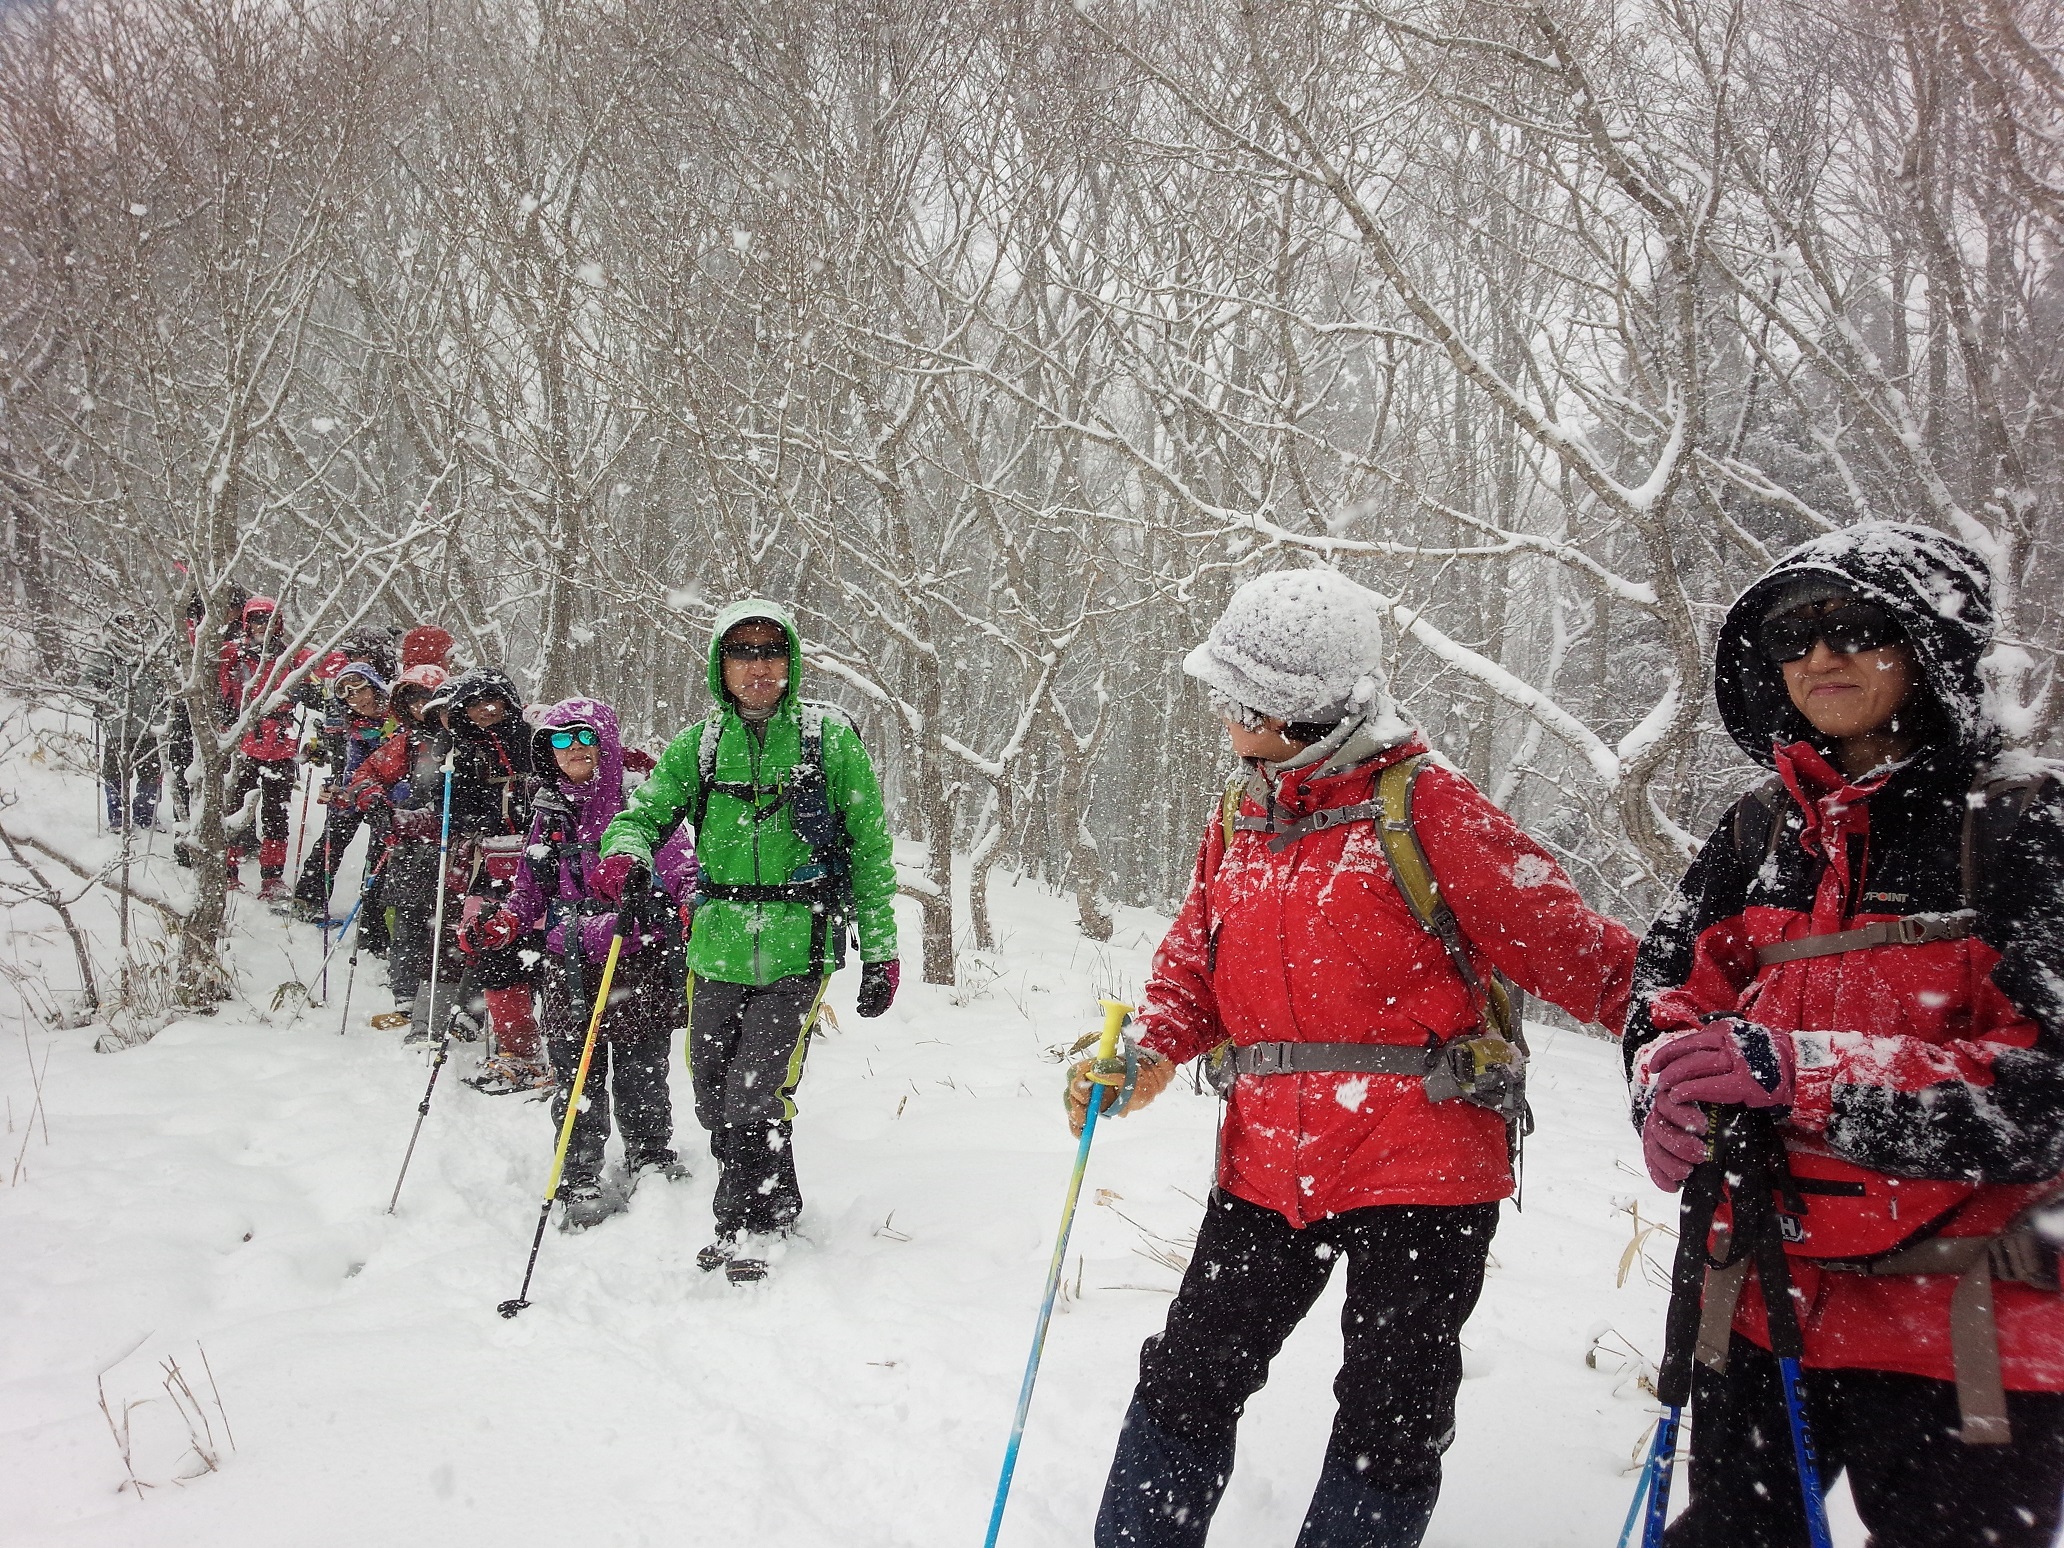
397 785
252 668
1869 951
1339 969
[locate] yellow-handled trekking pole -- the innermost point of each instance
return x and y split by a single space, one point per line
1115 1014
580 1079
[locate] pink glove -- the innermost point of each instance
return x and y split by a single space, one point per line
1725 1064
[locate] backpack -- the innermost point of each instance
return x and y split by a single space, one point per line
825 882
1487 1068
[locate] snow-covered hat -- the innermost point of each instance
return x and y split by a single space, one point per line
1299 645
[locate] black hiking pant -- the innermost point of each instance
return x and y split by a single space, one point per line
628 1072
274 780
746 1044
319 870
1916 1485
409 885
1413 1276
130 776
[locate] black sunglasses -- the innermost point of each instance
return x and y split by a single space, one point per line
743 650
1852 627
580 736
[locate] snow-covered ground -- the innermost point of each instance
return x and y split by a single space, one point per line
222 1188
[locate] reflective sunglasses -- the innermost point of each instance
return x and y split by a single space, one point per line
776 650
580 736
1852 627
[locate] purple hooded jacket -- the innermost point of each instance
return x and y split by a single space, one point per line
594 802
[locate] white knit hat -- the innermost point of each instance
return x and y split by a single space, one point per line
1298 645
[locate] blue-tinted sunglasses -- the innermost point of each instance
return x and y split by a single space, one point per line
579 736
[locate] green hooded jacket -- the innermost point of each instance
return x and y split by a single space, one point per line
756 943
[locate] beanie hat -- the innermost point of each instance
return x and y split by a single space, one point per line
1304 646
425 645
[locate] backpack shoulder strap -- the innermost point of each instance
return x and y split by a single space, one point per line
1421 888
1993 809
1229 810
1756 822
705 769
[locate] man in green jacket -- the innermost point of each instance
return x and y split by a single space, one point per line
793 846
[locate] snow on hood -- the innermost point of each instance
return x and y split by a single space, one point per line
1299 645
1941 593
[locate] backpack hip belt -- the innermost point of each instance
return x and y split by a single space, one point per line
2018 1254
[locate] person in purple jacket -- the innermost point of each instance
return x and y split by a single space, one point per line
563 888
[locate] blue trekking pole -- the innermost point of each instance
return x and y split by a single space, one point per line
1107 1049
365 891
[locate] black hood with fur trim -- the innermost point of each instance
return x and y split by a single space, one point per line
1938 588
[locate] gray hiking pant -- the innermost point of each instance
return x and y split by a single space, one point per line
746 1044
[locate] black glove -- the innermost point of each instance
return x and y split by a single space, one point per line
877 986
637 889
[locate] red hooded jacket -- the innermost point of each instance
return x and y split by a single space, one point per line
1930 1076
1317 944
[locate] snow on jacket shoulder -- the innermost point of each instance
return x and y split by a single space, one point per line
1317 944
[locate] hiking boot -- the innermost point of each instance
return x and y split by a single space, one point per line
273 890
717 1254
586 1204
507 1075
308 911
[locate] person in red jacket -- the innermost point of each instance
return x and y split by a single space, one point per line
253 669
397 786
1297 943
1870 949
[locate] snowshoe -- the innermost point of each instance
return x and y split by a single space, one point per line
663 1164
391 1021
507 1075
584 1205
753 1254
717 1254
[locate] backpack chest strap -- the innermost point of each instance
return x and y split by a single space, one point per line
1908 930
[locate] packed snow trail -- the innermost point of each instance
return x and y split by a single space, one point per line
222 1187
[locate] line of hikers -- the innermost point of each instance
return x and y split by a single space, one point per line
522 832
1866 958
